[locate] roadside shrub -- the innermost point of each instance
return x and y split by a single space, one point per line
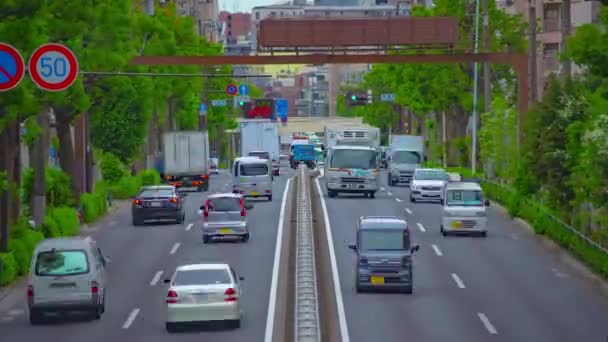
8 269
90 209
58 188
50 227
126 188
149 177
20 254
67 220
111 168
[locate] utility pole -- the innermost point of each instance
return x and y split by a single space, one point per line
566 20
532 39
202 117
40 163
475 74
487 84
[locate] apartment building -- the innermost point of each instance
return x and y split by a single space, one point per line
205 14
549 38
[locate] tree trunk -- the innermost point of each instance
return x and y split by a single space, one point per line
15 171
39 164
66 149
4 198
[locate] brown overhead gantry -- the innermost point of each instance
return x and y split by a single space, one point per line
323 40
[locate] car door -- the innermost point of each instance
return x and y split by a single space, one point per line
102 271
237 282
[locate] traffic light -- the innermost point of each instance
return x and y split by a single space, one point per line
241 103
356 99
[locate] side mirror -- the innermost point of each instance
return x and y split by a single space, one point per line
241 278
106 260
248 206
487 203
353 247
442 201
415 248
167 281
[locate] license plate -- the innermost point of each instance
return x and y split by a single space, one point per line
225 231
200 297
377 280
254 193
156 204
457 224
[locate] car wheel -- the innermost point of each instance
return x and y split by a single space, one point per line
372 194
97 313
245 237
484 234
171 327
390 180
136 222
412 199
331 194
236 324
36 317
442 231
408 289
206 239
103 303
270 198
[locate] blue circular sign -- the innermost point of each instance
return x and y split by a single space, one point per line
231 89
12 67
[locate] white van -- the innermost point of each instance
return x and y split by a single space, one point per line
464 209
252 177
67 275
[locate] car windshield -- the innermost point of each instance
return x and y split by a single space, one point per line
466 198
431 175
253 169
224 204
62 263
263 155
156 193
353 159
405 157
382 240
202 277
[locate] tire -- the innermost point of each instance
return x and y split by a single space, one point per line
245 238
408 289
36 317
171 327
270 198
206 239
103 303
180 219
97 313
484 234
412 199
236 324
136 222
443 232
331 194
372 194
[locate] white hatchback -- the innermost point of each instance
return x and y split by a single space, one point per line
203 293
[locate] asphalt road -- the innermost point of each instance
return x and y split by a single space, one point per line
141 257
506 287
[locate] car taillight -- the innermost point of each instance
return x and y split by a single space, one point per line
94 288
230 295
30 291
205 176
137 201
243 212
172 297
206 210
173 200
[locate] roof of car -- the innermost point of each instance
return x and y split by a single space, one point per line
158 187
354 147
225 194
429 169
253 160
381 221
463 186
196 267
64 243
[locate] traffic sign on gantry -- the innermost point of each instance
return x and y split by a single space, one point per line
53 67
12 67
231 89
244 89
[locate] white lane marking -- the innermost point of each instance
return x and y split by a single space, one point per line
398 200
88 239
156 278
486 323
559 274
322 172
131 318
175 247
272 301
189 226
408 211
421 227
16 312
437 250
389 193
334 269
382 189
457 280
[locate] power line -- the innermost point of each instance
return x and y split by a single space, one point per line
120 73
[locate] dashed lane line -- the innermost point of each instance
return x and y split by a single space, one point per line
389 193
131 318
175 247
437 250
156 278
421 227
486 323
189 226
398 200
408 211
458 281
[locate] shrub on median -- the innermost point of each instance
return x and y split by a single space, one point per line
149 177
129 186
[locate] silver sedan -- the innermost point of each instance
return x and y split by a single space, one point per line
203 293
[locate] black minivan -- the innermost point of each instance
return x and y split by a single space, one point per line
384 254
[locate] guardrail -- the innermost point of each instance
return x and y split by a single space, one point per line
307 325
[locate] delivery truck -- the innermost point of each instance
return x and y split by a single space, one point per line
186 160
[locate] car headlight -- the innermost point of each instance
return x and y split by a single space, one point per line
480 213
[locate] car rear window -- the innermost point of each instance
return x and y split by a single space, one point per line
224 204
263 155
62 263
254 169
202 277
378 240
156 193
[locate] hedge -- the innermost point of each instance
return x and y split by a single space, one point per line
129 186
547 224
95 204
58 187
8 269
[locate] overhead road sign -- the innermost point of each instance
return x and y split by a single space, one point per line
244 89
218 103
387 97
282 109
53 67
12 67
231 89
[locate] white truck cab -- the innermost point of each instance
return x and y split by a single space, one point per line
464 209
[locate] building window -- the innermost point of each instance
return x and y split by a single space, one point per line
257 15
273 13
550 57
551 18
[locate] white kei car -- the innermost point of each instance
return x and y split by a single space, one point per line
203 293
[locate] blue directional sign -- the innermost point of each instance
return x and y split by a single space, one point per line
202 109
244 89
282 108
218 103
52 152
387 97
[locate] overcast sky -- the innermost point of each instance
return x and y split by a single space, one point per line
244 5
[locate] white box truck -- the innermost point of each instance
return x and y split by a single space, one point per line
186 159
406 153
260 135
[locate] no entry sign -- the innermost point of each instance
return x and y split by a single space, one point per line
12 67
53 67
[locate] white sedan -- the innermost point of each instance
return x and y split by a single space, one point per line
203 293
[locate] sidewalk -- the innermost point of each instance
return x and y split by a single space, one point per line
10 295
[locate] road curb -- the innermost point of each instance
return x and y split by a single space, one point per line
564 255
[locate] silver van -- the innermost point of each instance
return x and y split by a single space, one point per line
67 275
252 177
464 209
